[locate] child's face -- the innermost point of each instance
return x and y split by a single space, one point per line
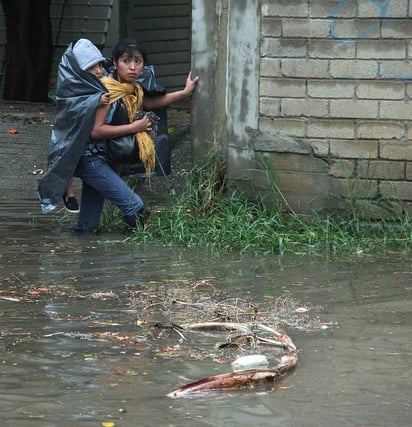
96 70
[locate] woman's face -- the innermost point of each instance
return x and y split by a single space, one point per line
129 67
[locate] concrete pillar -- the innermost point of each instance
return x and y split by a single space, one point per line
209 61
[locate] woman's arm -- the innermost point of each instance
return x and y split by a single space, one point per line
152 103
101 130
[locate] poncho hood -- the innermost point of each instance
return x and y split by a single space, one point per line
77 98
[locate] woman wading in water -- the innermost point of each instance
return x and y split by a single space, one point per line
95 169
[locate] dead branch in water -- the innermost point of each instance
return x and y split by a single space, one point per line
218 326
191 310
245 379
242 379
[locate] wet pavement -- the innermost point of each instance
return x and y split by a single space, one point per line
23 154
25 130
74 350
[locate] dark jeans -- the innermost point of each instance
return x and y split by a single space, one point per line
101 182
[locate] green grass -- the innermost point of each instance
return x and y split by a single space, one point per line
236 224
209 214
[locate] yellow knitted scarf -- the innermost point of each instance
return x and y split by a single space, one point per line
132 94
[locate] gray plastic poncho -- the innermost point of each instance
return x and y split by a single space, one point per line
77 98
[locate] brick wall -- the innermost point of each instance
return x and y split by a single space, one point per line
337 75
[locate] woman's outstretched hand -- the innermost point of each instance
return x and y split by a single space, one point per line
190 83
154 102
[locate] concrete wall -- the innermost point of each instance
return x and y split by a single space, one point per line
320 90
209 60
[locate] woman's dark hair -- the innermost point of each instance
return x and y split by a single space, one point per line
129 46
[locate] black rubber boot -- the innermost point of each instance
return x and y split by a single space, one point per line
136 222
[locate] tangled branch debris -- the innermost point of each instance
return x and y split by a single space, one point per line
189 319
188 303
202 310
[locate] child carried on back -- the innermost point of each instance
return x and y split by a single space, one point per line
91 60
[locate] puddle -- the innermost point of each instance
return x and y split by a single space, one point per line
68 358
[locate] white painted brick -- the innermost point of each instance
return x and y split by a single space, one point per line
350 29
395 70
270 67
403 190
354 149
287 127
275 47
269 107
332 9
380 90
330 49
409 171
397 29
307 28
331 88
381 49
408 89
271 27
341 85
354 69
304 68
304 107
395 150
400 110
349 108
290 8
380 129
383 9
282 87
381 169
331 129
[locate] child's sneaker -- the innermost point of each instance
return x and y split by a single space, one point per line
71 204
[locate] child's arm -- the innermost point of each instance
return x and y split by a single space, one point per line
105 99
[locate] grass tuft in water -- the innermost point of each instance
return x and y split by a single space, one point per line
207 213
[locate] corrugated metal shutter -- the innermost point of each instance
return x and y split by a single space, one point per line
71 20
2 48
74 19
164 26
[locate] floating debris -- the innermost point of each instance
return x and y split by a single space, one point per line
246 379
252 361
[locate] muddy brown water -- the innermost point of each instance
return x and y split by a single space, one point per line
354 367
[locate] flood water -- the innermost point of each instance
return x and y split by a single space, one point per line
63 363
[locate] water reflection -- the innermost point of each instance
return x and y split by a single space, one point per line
57 371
